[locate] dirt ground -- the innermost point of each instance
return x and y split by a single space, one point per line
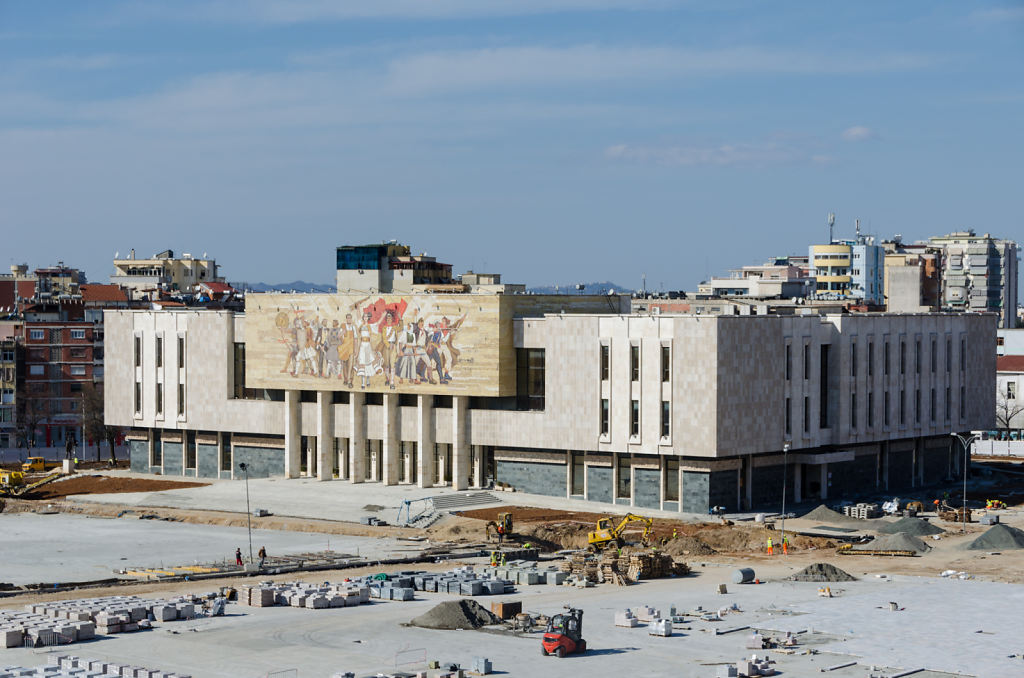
81 484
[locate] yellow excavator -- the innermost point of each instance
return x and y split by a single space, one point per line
502 528
609 534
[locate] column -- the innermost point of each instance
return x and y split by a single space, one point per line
357 436
292 433
748 481
390 447
798 483
460 445
824 481
425 440
479 464
325 435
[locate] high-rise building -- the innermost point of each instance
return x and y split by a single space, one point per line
979 274
849 269
388 267
913 280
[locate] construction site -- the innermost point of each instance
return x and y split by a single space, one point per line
109 573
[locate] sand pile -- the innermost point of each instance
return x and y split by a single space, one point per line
912 526
822 572
824 514
999 537
456 614
901 541
683 545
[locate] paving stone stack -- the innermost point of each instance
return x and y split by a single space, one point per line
582 566
69 666
115 614
653 565
301 594
862 510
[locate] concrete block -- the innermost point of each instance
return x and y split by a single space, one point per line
626 619
11 638
471 588
482 665
317 602
164 613
494 587
660 627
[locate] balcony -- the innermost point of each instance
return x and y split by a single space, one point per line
139 280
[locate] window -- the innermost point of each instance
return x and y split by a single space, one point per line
823 386
671 480
789 416
225 451
36 335
606 362
78 334
190 449
871 409
37 370
623 490
605 417
138 397
963 402
934 357
903 407
6 414
853 410
634 363
963 354
949 355
853 359
807 362
666 419
948 402
903 357
885 411
634 418
181 352
138 351
807 414
666 364
159 351
239 391
158 450
530 378
78 370
1011 390
917 406
159 399
181 400
789 362
579 472
871 359
885 357
931 405
917 356
76 387
78 353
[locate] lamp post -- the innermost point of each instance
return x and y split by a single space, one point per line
785 481
967 447
248 513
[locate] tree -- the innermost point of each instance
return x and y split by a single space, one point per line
92 416
31 412
113 433
1007 409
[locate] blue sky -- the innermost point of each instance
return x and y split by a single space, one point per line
554 141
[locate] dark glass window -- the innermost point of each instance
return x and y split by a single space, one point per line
530 378
606 362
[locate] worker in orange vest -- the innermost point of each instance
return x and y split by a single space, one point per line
785 546
770 546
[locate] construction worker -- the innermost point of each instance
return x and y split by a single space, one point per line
675 533
503 559
770 546
501 533
494 558
785 546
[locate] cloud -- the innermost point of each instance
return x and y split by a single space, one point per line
999 14
723 155
858 133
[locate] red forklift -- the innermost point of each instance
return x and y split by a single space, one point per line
564 634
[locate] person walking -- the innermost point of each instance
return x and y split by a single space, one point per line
785 546
238 556
263 555
770 546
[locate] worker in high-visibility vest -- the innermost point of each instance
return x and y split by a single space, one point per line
770 546
785 546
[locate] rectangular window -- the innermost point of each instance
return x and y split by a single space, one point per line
934 357
807 362
853 410
634 363
606 362
885 358
666 419
917 406
159 351
671 480
240 390
181 352
903 407
77 353
37 370
78 334
963 402
190 449
579 473
76 388
159 399
853 359
36 335
181 400
78 370
634 418
1011 390
823 387
789 416
871 359
605 417
530 378
871 409
963 355
54 335
623 491
949 355
138 397
885 411
917 356
789 362
807 414
903 357
225 451
158 450
931 405
949 401
666 364
138 351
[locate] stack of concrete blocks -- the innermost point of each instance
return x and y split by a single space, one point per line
114 614
527 573
20 628
646 613
726 672
65 666
481 666
660 627
626 618
301 594
862 510
755 667
463 581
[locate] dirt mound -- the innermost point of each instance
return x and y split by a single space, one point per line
687 546
822 572
999 537
901 541
456 614
824 514
79 484
912 526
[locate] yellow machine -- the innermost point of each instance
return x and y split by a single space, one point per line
502 528
38 465
608 534
11 478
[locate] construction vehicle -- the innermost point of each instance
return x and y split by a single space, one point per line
502 528
38 465
608 534
564 634
914 507
11 479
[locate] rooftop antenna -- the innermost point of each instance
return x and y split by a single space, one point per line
831 223
857 224
644 278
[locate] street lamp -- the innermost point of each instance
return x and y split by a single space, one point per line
785 481
248 513
967 448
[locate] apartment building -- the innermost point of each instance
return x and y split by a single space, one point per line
10 378
562 395
163 272
979 274
849 269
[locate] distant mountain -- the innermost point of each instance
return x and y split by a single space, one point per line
294 286
589 288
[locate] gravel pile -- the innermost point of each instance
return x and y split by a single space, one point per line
998 538
824 514
901 541
456 614
912 526
821 572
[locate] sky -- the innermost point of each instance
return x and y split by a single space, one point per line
553 141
